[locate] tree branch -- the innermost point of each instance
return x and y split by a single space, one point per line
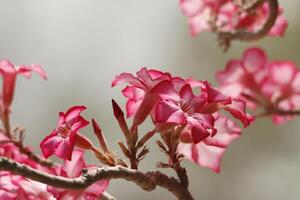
147 181
281 112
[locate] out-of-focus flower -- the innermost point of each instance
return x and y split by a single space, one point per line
225 15
271 85
73 169
13 187
62 140
208 153
9 73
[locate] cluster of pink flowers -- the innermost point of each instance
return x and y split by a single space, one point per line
271 85
225 15
60 142
174 101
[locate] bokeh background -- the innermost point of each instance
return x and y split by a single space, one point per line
83 44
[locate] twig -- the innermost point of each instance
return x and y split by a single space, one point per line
280 112
33 156
147 181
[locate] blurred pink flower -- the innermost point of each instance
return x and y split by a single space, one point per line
227 16
271 85
183 109
13 187
142 91
209 152
62 140
73 169
9 73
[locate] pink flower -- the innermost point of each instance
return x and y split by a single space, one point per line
227 16
73 169
13 187
255 22
142 91
209 152
177 105
62 140
9 74
184 110
7 187
271 85
32 190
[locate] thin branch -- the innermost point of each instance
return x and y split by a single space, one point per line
226 37
147 181
280 112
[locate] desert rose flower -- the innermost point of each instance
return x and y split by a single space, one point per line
178 105
9 73
270 85
142 91
62 140
13 187
203 15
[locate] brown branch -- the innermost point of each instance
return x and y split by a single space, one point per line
225 37
147 181
281 112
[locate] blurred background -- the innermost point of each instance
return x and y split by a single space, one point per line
83 44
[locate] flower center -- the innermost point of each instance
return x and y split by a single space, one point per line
64 131
186 108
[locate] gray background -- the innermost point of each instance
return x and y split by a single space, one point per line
84 44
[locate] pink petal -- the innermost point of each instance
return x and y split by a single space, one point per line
191 7
49 144
213 95
164 110
166 90
227 132
282 72
132 107
80 123
65 147
73 168
39 70
186 93
232 73
126 78
198 24
279 27
73 113
199 133
254 59
238 109
203 155
61 119
145 108
296 82
7 67
97 188
133 93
